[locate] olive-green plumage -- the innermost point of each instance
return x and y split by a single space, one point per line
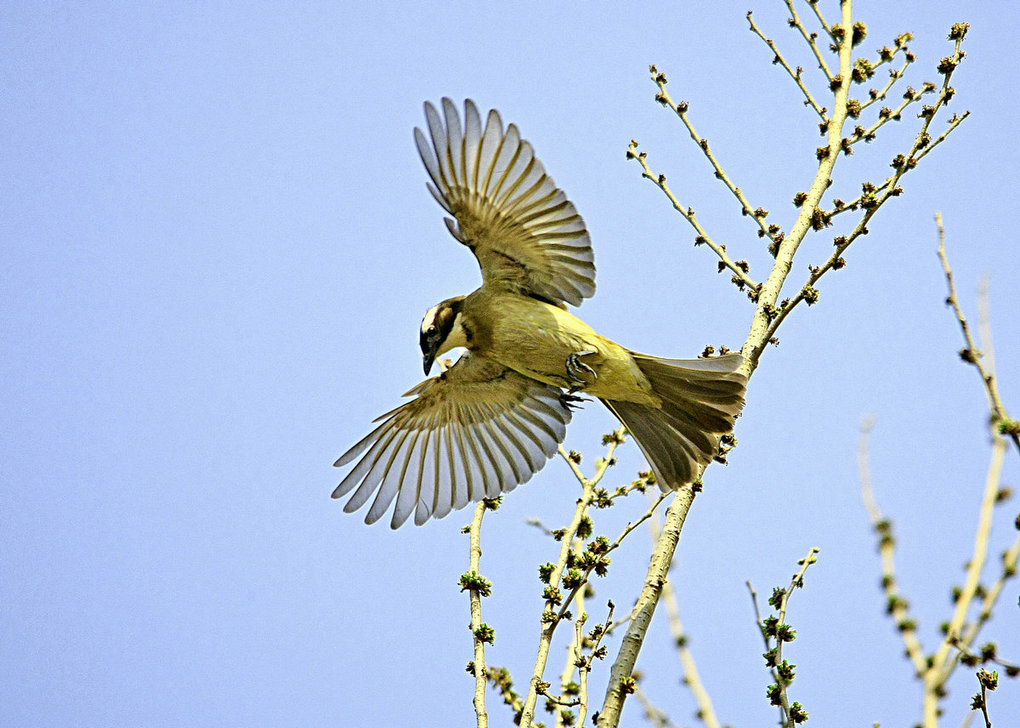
490 421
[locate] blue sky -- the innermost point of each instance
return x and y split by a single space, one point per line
218 246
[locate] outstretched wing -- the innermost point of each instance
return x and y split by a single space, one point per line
474 432
526 234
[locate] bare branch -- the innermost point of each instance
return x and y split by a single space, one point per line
821 20
809 100
644 608
691 677
475 589
871 199
680 110
810 37
971 354
688 214
550 618
896 606
762 328
894 76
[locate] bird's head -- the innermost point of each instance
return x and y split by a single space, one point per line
441 330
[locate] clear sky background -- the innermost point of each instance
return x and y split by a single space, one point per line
216 247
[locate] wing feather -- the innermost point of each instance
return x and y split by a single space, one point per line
527 236
377 471
428 158
455 139
492 143
492 481
378 446
498 437
474 432
438 134
396 477
472 143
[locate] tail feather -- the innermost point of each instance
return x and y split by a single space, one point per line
701 398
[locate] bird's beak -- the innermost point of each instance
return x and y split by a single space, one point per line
429 348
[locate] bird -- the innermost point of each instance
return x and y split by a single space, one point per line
494 418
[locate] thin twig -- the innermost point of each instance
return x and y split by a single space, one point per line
887 115
555 598
574 648
659 180
476 617
798 581
763 326
887 184
873 199
942 666
821 20
584 664
1010 559
810 37
691 677
809 100
680 110
894 76
656 716
971 354
896 606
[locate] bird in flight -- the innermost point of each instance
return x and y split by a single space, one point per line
493 419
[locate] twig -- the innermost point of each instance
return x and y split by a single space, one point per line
680 110
894 76
762 328
1010 559
476 615
988 682
810 37
782 681
887 115
896 606
554 597
878 191
942 666
688 215
872 199
574 648
691 677
584 663
821 20
809 100
971 354
984 706
656 716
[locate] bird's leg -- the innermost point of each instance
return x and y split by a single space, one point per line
576 368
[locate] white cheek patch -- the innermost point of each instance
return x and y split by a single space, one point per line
430 318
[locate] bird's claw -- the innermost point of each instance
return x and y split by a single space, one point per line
576 368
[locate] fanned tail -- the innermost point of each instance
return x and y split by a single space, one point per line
701 398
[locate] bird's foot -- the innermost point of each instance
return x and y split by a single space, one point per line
572 402
577 368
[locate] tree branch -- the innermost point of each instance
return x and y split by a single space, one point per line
971 354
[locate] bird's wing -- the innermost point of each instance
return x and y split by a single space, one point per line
526 234
475 432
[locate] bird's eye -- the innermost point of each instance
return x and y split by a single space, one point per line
432 330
